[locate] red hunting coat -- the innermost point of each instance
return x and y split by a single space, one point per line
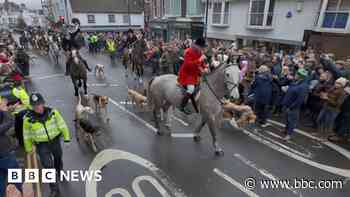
189 73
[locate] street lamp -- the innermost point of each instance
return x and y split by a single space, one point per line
129 13
206 18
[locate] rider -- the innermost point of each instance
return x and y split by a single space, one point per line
190 71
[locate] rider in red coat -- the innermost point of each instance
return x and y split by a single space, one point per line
191 70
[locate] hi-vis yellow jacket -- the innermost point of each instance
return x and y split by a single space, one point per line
22 95
35 131
111 46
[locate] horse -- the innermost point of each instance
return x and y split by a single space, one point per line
164 92
78 73
137 57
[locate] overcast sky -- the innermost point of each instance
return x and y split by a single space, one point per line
29 3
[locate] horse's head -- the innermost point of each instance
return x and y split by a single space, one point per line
224 80
231 82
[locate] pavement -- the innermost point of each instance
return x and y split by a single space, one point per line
136 162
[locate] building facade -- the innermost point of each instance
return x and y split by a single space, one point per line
177 19
279 23
102 15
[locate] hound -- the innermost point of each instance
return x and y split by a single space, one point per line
100 105
100 71
137 98
82 111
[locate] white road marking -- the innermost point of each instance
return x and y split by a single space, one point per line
137 189
51 76
308 155
102 85
182 135
331 169
127 103
180 121
148 125
108 155
151 127
335 147
47 76
263 172
235 183
121 191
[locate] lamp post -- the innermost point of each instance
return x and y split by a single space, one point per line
206 18
128 1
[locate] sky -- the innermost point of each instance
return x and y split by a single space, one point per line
34 4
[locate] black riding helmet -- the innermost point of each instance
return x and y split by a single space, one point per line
36 99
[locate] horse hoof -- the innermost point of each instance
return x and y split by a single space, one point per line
219 153
160 133
197 138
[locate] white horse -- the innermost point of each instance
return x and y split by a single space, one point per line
164 92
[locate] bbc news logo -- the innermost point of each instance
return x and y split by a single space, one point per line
51 176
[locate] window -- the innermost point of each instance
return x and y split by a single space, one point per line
217 13
336 14
91 18
111 18
172 7
126 19
261 12
221 12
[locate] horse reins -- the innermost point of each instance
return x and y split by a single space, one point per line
212 90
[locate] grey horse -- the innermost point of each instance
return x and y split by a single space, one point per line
164 92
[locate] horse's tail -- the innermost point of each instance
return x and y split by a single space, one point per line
149 94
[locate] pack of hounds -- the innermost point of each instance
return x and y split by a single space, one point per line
98 104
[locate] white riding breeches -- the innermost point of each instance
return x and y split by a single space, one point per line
190 89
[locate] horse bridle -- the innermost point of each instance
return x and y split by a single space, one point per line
205 77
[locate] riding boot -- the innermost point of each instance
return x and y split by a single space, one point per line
184 104
67 69
79 83
193 100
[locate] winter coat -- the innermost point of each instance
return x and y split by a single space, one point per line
189 73
337 73
6 122
342 122
262 88
296 95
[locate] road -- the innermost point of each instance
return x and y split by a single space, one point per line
176 165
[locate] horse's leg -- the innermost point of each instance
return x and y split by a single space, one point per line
167 111
85 85
156 116
198 129
76 88
212 124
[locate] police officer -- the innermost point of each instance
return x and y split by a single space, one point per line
22 107
111 48
44 127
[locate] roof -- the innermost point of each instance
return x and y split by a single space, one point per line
106 6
